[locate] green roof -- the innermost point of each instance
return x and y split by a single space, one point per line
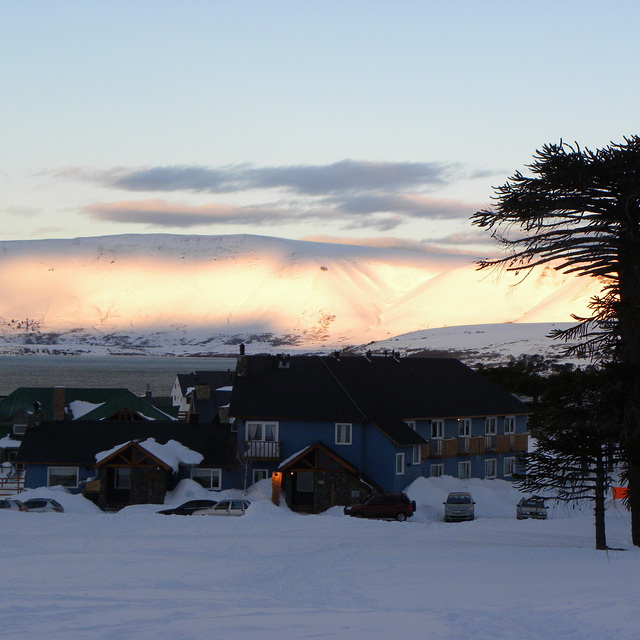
85 404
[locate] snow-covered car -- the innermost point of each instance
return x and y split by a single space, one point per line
225 508
532 507
12 504
187 508
458 507
386 506
42 505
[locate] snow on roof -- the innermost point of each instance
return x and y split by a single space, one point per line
172 453
227 388
295 455
80 408
8 441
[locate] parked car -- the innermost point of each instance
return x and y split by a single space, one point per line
459 507
41 505
12 504
187 508
225 508
388 506
532 507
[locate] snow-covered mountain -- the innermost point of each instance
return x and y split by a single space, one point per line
204 294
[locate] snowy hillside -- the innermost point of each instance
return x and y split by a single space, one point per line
204 294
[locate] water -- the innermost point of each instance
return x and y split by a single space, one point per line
131 372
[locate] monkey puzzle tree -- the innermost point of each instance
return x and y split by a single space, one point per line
579 212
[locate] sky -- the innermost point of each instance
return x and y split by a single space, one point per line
366 122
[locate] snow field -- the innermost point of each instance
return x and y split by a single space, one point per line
139 575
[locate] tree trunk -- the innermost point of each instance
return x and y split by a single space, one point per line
633 499
601 535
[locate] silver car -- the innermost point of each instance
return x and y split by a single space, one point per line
225 508
533 507
459 507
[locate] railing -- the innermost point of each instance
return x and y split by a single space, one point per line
12 484
261 450
474 446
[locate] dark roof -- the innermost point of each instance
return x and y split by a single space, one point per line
382 390
106 401
212 379
77 443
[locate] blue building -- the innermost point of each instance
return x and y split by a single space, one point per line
330 429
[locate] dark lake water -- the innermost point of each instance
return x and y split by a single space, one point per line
132 372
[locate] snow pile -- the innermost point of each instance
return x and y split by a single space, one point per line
71 502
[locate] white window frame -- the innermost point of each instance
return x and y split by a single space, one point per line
213 474
509 425
464 469
259 474
509 466
399 464
62 471
344 432
490 473
464 427
491 426
417 454
437 429
436 470
260 431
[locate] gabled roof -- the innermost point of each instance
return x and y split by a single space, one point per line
79 403
212 379
77 443
384 391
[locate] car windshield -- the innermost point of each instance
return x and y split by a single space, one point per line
458 499
532 503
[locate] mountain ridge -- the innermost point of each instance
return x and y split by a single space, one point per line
202 294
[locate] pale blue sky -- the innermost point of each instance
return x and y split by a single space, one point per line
351 119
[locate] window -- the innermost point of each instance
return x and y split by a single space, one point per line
122 478
262 431
437 428
411 424
343 433
260 474
490 468
304 481
464 470
208 478
490 426
509 424
436 470
19 429
65 476
399 464
464 427
509 466
417 454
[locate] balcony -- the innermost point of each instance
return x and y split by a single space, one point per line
261 450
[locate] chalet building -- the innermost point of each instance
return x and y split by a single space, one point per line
121 463
330 430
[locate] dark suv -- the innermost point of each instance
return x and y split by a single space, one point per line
391 506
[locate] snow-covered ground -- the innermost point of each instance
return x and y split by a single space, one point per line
273 573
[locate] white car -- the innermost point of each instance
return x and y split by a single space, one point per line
225 508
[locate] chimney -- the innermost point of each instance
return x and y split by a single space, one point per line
203 392
58 402
242 365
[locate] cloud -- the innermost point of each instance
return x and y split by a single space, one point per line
412 205
346 176
158 213
389 242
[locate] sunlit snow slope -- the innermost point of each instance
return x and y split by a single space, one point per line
171 290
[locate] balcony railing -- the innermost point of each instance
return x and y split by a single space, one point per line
261 450
474 446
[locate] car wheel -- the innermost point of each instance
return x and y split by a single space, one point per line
401 517
358 514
